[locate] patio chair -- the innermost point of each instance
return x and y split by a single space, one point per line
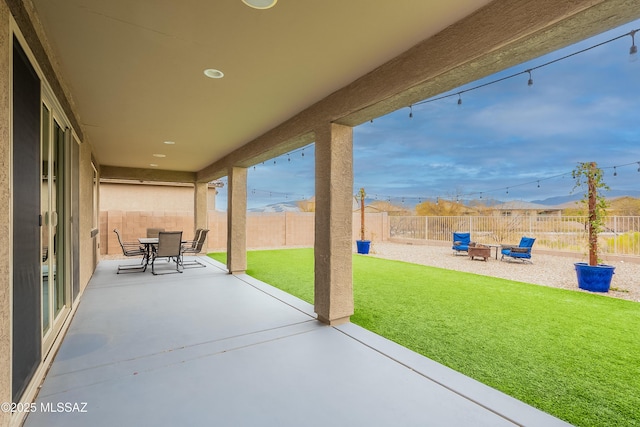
521 252
194 248
461 242
170 247
131 249
153 232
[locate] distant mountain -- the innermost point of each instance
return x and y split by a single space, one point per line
277 207
558 200
561 200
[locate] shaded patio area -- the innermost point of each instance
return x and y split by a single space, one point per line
208 348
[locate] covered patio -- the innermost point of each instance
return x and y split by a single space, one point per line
121 90
208 348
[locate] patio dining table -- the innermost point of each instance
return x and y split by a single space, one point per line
148 243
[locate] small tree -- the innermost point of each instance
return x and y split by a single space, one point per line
590 175
361 194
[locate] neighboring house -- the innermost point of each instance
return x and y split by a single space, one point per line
522 208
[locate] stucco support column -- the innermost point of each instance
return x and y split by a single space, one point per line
237 220
201 208
333 232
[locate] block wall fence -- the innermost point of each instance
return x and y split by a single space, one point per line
264 230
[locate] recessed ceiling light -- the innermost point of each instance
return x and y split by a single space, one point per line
213 73
153 165
260 4
170 142
160 155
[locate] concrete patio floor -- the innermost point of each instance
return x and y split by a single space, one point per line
206 348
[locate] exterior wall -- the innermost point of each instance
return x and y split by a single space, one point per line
5 212
86 261
150 197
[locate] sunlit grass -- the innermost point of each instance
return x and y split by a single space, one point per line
571 354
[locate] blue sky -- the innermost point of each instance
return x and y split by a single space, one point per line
506 141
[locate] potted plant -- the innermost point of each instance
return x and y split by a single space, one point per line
593 276
362 244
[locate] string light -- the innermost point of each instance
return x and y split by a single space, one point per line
411 111
615 172
289 155
633 52
481 195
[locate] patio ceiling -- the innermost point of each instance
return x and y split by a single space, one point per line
135 69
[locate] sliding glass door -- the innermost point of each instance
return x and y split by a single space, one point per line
54 220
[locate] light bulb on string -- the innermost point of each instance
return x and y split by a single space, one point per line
411 111
530 82
538 184
507 190
633 50
615 172
638 166
459 99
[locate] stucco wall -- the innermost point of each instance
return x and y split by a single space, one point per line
5 220
150 197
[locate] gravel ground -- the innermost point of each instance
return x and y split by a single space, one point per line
547 270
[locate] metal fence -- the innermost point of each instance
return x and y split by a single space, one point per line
564 233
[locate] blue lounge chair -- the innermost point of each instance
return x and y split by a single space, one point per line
461 242
521 252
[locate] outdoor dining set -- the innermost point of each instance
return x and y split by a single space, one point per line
522 251
163 244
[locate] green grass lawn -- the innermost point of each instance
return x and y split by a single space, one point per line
571 354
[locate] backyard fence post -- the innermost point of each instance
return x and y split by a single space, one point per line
426 228
530 225
615 234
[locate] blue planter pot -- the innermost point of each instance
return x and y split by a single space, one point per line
594 278
363 246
